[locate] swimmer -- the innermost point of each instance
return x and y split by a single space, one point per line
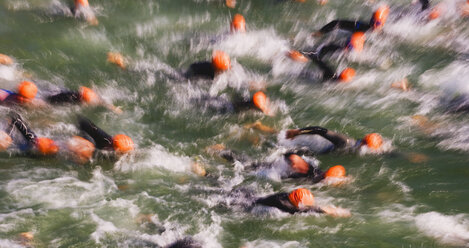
354 43
328 74
219 64
120 143
259 102
82 8
25 94
84 95
300 201
373 141
298 167
34 144
376 22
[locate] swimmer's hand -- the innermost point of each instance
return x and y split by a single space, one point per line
116 110
292 133
316 34
336 211
93 21
261 127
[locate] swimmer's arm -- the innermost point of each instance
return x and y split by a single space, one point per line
339 140
330 48
111 107
24 129
335 211
338 24
327 72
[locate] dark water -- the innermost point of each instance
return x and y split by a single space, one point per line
413 194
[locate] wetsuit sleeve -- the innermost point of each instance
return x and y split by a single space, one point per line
327 72
352 26
330 48
102 139
425 4
201 69
23 128
339 140
279 201
65 97
242 105
315 174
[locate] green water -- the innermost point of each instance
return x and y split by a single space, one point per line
394 201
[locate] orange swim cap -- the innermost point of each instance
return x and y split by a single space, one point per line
46 146
356 41
122 143
335 171
380 16
230 3
27 90
373 140
298 164
261 101
221 61
435 13
81 148
82 3
347 75
301 198
5 141
238 24
88 95
297 56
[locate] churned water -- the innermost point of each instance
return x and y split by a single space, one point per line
414 194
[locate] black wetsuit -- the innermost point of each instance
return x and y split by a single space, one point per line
339 141
201 69
24 129
72 97
281 201
351 26
101 139
185 243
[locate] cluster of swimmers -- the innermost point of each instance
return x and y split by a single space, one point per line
83 147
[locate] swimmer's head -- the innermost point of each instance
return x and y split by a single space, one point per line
122 143
436 11
373 140
81 3
221 61
297 56
337 171
347 75
230 3
301 198
5 141
261 101
379 17
88 95
81 148
46 146
238 24
298 164
356 41
27 90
